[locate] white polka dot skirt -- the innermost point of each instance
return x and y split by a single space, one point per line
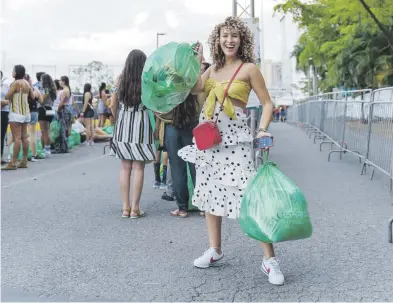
224 171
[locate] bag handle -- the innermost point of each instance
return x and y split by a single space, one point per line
227 89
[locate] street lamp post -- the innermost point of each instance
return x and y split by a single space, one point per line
159 34
309 75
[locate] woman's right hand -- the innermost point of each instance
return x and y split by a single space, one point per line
199 49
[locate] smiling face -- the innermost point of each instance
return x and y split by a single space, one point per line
229 41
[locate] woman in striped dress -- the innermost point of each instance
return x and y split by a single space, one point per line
132 141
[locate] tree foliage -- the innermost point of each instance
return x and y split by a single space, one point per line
94 73
345 43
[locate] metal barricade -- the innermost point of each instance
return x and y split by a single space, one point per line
379 149
78 99
358 122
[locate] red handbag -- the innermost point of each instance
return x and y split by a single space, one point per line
207 134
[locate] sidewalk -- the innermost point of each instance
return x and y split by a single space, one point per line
73 245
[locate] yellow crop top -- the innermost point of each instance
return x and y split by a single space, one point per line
214 90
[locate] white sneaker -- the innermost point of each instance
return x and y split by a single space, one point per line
272 270
91 143
34 159
208 258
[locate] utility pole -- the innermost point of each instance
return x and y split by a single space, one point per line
315 81
158 35
250 12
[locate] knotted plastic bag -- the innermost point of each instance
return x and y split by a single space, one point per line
40 152
273 208
74 139
109 129
54 131
168 76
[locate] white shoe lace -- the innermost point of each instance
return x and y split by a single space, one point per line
273 262
209 251
274 266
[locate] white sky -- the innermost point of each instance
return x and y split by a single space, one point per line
75 32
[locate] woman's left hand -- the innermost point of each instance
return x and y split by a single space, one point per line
262 134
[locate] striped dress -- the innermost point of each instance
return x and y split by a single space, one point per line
133 135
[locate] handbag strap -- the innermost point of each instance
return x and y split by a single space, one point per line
227 89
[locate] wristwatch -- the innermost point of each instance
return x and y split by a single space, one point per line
261 129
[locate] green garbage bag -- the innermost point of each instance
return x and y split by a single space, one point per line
40 152
54 131
152 119
108 129
191 186
273 208
168 76
29 154
74 139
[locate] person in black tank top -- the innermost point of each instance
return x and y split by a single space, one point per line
88 114
32 127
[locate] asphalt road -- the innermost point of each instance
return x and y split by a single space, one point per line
63 238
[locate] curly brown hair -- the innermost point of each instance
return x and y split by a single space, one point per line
246 48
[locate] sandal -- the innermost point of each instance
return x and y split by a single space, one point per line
137 214
179 213
126 213
22 164
10 166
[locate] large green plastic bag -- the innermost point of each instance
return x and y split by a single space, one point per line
40 153
169 74
108 129
190 186
54 131
273 208
152 119
74 139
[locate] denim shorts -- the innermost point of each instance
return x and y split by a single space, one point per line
33 118
18 118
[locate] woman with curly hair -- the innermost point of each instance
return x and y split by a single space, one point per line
45 112
224 171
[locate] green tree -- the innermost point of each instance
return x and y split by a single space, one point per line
346 44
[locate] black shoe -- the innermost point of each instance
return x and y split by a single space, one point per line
167 198
3 162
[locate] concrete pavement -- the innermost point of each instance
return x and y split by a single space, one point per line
63 238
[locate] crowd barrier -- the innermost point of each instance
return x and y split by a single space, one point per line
358 122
